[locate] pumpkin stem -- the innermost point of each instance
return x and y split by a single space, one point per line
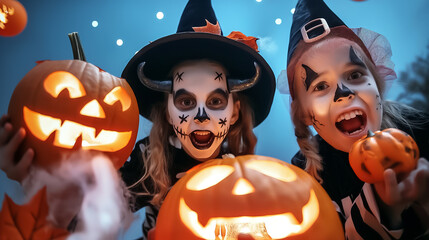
370 134
78 53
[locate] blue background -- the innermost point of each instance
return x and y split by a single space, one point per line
404 23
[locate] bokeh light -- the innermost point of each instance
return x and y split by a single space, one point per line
119 42
160 15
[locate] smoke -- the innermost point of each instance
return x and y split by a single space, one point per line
87 190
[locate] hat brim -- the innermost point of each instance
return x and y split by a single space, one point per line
163 54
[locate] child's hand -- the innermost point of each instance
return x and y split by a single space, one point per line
8 147
417 184
396 197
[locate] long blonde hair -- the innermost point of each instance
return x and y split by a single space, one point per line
393 113
157 157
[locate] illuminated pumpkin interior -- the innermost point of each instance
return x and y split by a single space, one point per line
56 82
5 11
277 226
118 94
67 132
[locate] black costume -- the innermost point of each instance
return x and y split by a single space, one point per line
354 199
133 169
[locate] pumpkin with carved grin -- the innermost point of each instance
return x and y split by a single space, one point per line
260 196
69 105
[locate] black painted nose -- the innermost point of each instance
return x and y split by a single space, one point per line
342 93
201 116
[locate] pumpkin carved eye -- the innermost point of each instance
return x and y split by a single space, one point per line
118 94
273 169
209 177
56 82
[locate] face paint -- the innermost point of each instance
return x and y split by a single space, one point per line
338 94
310 76
343 92
201 109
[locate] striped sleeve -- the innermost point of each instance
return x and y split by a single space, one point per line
362 219
151 214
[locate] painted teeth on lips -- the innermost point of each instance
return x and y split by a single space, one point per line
349 115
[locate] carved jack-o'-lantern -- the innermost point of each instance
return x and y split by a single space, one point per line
390 148
260 196
70 105
13 18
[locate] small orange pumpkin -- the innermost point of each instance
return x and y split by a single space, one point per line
259 196
69 105
390 148
13 18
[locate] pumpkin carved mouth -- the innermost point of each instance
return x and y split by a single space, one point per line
68 133
274 226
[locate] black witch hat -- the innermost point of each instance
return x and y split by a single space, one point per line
312 22
199 36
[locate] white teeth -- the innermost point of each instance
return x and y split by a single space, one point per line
349 115
202 133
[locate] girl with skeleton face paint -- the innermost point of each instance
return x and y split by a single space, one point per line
203 92
336 77
201 109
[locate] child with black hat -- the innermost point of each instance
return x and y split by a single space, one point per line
336 77
203 92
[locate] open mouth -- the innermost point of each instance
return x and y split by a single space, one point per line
202 139
352 122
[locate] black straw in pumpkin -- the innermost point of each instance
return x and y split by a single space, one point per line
78 53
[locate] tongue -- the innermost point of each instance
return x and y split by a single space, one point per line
350 125
202 138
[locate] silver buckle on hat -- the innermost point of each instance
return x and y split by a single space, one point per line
323 24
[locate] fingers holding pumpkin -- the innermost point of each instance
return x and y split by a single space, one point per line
388 190
417 183
9 146
5 132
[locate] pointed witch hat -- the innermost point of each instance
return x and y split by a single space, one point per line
199 36
313 21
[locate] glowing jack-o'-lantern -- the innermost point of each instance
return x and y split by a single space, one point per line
13 18
70 105
259 196
389 148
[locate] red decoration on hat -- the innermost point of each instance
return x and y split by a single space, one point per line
248 40
209 28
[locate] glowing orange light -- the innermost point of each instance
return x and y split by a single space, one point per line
277 226
42 126
209 177
93 109
118 94
242 187
56 82
13 18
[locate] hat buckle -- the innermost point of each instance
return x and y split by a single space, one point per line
322 23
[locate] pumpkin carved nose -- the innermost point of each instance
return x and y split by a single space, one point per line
93 109
242 187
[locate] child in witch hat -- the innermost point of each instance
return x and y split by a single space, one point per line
203 92
336 77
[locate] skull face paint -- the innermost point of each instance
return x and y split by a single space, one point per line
200 108
337 92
